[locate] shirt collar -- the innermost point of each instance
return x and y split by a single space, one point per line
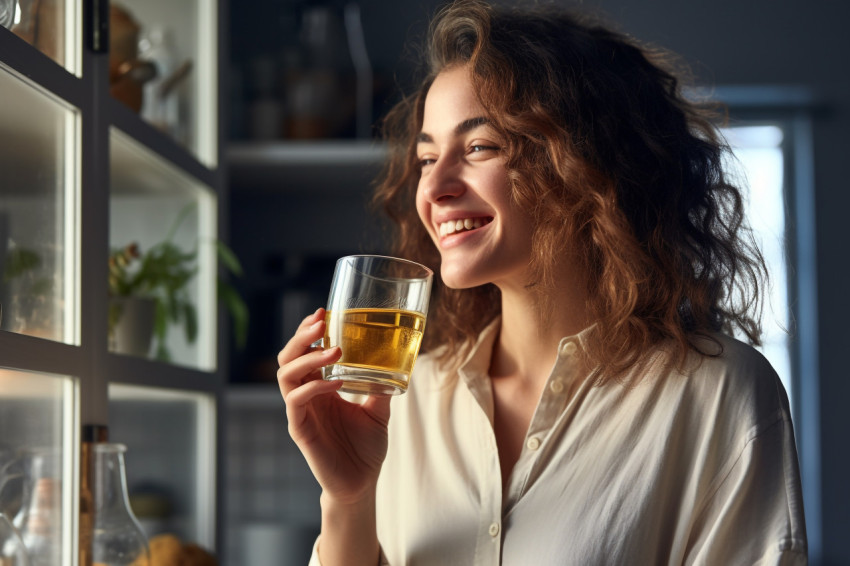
474 369
477 363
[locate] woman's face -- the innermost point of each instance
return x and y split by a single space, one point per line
464 196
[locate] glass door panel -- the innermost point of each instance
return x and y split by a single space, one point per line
163 260
51 26
39 179
171 54
170 438
38 462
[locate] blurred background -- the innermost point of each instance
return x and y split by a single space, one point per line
134 171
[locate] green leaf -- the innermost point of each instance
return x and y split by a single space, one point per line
41 286
228 259
160 326
190 322
179 220
19 261
160 330
173 304
162 352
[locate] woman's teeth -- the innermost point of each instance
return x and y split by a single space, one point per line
454 226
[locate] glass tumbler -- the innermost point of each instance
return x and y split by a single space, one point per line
376 314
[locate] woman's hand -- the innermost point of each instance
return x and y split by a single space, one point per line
344 443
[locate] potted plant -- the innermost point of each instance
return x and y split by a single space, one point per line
151 287
27 291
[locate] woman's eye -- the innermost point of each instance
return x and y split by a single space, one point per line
423 161
479 148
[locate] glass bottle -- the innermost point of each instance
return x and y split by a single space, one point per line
320 99
39 519
7 13
117 539
161 102
12 549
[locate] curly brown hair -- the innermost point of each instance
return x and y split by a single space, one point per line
611 159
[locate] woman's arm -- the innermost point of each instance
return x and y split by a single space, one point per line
344 444
348 533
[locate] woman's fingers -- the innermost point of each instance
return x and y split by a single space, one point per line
298 400
310 330
294 373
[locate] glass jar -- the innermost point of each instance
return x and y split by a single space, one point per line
117 537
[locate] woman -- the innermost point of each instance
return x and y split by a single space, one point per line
581 401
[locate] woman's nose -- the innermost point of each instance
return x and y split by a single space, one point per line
441 181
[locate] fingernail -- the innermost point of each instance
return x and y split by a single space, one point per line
330 352
316 325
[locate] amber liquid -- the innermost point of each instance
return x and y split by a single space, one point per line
386 340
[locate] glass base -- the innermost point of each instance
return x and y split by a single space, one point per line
366 381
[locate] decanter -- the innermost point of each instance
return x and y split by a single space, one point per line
117 537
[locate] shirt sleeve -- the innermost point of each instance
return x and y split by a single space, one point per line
754 515
314 558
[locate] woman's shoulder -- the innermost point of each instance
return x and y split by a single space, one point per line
732 377
728 359
715 360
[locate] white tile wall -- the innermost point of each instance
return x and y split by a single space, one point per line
272 502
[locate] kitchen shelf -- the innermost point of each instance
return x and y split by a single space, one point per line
327 166
256 396
38 67
166 376
160 143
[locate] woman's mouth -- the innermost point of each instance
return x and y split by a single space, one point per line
463 225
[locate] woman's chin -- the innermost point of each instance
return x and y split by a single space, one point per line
459 278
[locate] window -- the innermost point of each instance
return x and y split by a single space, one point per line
759 166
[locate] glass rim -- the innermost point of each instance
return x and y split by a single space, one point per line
429 272
109 447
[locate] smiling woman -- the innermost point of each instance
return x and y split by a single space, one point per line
582 400
597 160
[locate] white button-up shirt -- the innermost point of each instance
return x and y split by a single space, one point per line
678 469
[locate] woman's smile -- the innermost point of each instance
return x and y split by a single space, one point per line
463 225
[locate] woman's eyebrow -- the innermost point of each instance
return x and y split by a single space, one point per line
466 126
470 124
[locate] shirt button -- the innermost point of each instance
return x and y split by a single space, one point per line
556 386
568 349
533 443
494 530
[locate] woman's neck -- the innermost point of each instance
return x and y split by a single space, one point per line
531 329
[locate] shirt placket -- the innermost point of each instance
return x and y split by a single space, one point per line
552 402
489 548
488 545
